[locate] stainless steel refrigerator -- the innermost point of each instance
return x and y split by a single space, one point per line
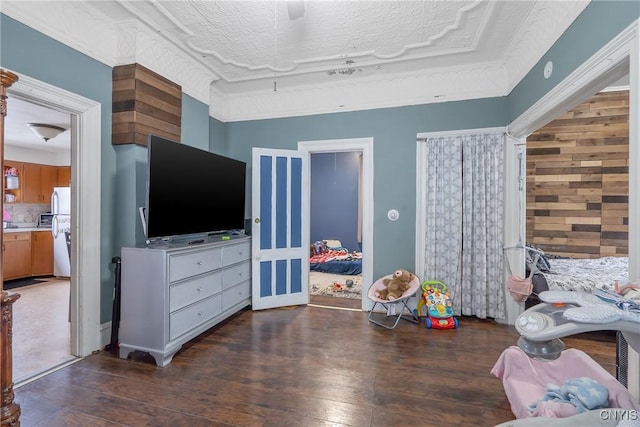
61 224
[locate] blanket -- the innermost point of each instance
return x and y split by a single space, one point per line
582 393
525 380
337 261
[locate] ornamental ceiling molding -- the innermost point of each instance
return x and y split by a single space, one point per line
139 44
546 23
480 9
70 23
443 85
84 29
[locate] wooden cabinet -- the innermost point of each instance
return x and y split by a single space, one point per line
41 253
171 294
12 181
33 182
39 181
64 176
16 253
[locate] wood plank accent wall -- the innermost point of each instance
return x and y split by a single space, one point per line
144 102
578 180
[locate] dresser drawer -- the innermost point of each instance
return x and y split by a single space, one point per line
236 294
238 273
184 320
191 264
184 293
236 253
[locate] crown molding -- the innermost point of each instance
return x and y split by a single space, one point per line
70 23
84 28
548 21
153 52
427 87
605 67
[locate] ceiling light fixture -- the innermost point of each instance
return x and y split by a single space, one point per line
45 131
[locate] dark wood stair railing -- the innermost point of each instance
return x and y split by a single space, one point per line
10 411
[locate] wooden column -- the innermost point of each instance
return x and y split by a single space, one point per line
10 411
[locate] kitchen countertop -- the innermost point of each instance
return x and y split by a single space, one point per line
25 229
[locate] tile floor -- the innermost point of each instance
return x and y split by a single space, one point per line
41 329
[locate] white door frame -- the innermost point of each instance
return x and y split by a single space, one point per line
364 146
619 57
85 204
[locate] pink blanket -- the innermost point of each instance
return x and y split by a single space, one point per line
525 381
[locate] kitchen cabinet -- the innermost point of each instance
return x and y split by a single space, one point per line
16 253
39 181
12 181
64 176
41 253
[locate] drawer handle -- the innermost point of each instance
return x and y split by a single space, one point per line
199 289
199 314
199 263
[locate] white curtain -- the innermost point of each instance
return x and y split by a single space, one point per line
464 218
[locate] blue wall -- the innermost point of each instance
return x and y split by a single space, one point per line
195 123
600 22
394 130
123 168
334 198
27 52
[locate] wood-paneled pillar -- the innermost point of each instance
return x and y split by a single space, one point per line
10 411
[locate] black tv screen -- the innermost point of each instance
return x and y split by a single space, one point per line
192 191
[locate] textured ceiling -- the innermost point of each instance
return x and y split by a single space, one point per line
262 59
247 45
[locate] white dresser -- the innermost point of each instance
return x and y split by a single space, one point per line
172 293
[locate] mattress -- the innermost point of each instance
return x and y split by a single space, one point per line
349 267
584 275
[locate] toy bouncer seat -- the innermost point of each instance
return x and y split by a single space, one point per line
394 308
526 383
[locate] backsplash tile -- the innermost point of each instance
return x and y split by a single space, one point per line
25 212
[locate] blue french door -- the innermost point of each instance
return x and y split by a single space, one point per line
280 245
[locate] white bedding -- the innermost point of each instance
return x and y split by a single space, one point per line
586 274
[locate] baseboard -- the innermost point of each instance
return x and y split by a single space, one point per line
105 334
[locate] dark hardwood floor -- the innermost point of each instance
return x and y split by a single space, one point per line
302 366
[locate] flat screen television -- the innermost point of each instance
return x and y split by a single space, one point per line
192 191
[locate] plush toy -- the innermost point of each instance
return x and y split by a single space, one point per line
396 285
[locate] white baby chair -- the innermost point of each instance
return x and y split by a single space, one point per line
394 308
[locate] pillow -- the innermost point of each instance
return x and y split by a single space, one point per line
334 245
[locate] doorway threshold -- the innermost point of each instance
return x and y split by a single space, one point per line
333 307
45 372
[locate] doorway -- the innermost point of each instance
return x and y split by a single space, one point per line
335 222
84 305
363 148
41 321
577 180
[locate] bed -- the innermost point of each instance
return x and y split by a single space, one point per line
329 256
577 274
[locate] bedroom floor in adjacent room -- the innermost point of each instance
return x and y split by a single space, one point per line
331 290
